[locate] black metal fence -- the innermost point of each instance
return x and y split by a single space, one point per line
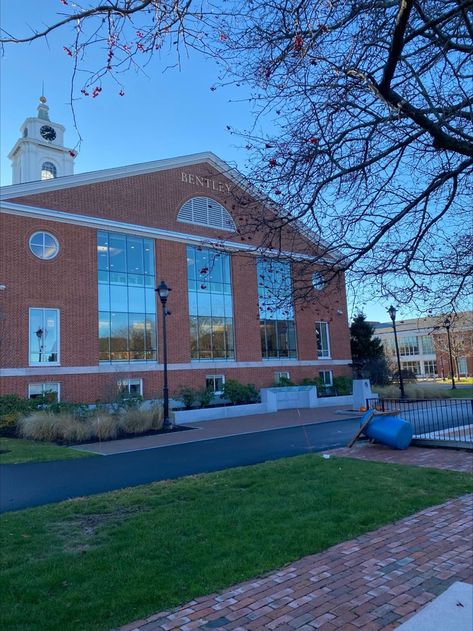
433 420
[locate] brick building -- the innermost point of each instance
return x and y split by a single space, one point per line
423 344
81 256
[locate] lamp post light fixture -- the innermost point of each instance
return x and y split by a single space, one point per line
163 293
392 315
447 323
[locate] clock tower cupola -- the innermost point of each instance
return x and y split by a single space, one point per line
40 154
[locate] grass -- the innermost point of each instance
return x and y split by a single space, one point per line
20 450
461 393
99 562
423 391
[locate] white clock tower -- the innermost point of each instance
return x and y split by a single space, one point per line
40 153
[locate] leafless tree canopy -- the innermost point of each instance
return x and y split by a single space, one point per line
369 107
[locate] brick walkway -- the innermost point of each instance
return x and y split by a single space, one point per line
454 459
374 582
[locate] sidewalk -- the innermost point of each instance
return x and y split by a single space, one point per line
372 583
206 430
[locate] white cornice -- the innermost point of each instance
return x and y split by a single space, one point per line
93 177
111 225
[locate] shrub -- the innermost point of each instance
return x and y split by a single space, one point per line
188 396
205 397
103 426
46 426
238 393
412 392
310 381
343 385
283 381
12 408
126 401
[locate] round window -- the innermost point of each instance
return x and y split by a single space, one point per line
318 281
44 245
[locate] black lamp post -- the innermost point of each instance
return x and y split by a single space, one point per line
447 323
163 292
392 315
39 335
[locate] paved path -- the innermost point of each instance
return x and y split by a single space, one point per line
33 484
371 583
227 427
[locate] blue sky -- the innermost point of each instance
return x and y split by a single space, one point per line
164 114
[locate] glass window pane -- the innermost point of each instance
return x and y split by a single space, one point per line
136 299
271 339
148 257
119 336
194 333
281 327
135 255
136 335
218 305
193 303
118 278
150 300
228 306
204 304
218 337
118 298
216 268
104 297
229 339
150 337
117 252
205 338
104 336
102 251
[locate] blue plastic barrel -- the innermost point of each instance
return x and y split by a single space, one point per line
389 430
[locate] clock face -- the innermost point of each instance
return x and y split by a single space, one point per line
47 132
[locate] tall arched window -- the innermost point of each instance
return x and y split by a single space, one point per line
48 171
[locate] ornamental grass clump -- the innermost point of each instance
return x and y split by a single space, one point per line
46 426
103 426
137 420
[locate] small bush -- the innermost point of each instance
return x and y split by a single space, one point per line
283 381
343 385
103 426
188 397
46 426
310 381
205 397
238 393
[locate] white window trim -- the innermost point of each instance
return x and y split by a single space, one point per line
329 356
58 353
220 376
330 372
45 389
281 374
127 382
43 232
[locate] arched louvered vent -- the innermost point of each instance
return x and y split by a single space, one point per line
206 212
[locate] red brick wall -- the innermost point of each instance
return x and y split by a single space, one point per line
69 283
90 388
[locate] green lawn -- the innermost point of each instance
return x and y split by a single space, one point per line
461 393
99 562
18 450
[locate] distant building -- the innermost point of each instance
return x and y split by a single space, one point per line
81 256
423 344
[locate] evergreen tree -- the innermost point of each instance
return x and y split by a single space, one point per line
367 352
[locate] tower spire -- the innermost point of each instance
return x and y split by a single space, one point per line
43 109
